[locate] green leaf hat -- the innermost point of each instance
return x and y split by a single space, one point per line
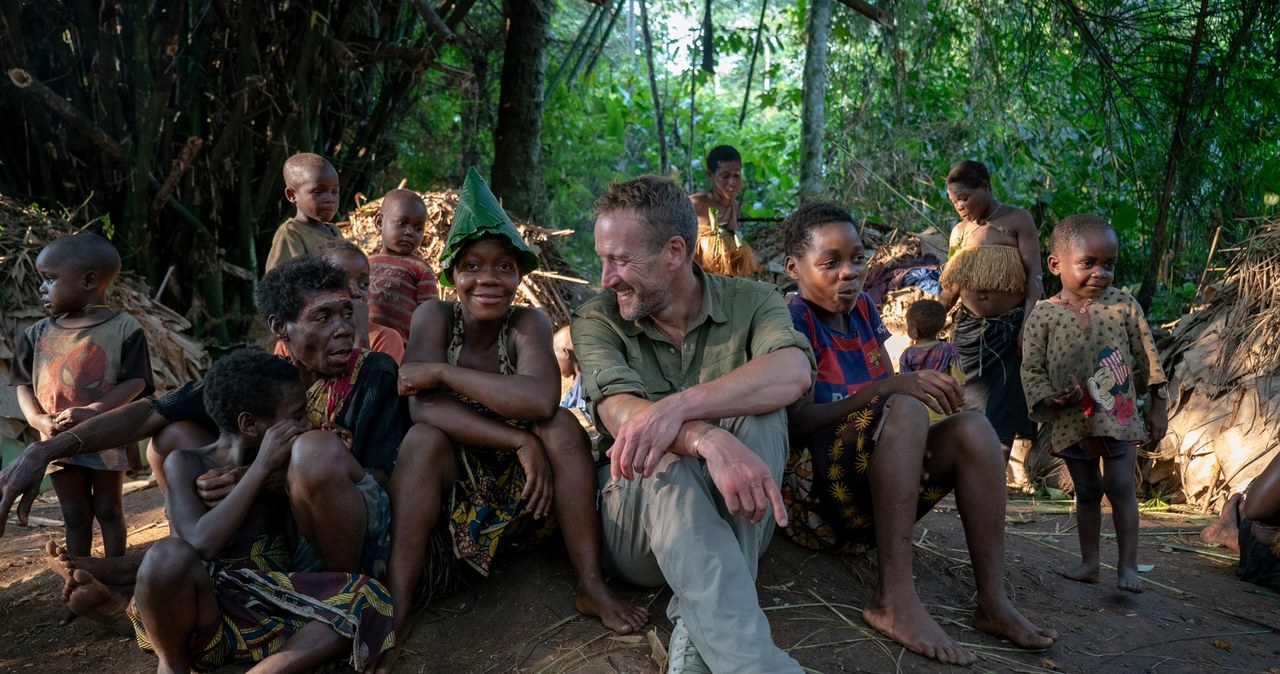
478 215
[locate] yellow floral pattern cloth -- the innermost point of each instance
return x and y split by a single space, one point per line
827 485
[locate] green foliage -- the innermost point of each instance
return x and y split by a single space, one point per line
1067 122
1073 110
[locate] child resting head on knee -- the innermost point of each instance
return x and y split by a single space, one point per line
232 561
1088 360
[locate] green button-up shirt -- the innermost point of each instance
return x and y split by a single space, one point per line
740 320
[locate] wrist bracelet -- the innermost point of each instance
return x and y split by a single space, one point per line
80 446
693 451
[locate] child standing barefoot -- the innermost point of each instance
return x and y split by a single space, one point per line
86 358
1088 356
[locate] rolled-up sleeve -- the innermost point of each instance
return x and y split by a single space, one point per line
772 329
602 360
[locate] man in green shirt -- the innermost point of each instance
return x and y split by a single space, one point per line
689 375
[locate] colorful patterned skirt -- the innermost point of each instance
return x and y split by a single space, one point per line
484 507
262 605
827 485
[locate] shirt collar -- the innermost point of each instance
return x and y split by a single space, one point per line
712 309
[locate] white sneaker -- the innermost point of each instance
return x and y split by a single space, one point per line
682 655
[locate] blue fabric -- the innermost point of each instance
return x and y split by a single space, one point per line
849 361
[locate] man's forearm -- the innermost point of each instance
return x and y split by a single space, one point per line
135 421
765 384
615 410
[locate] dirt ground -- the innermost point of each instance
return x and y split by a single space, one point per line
1194 617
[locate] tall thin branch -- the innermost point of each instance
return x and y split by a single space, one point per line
1177 146
751 71
663 166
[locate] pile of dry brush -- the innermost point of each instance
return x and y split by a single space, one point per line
1222 362
553 287
175 357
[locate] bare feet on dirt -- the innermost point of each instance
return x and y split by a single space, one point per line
1084 573
109 570
386 662
56 557
1128 580
405 621
62 617
599 601
98 602
913 627
1005 621
1225 530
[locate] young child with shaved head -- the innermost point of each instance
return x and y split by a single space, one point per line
310 183
86 358
400 279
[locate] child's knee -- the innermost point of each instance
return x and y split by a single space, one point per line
1089 493
77 508
169 559
108 512
77 517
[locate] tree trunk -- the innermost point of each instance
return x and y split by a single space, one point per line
663 166
517 177
1176 147
812 110
102 116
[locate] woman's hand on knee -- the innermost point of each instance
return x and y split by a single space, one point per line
538 481
938 391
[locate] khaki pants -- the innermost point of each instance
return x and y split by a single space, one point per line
674 528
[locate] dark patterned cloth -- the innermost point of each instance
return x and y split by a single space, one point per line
827 485
992 364
262 605
369 405
484 506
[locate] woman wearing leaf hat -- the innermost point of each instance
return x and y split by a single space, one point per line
504 455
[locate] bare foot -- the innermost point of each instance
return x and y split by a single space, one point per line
56 557
109 570
1128 580
1005 621
1084 573
596 599
385 662
99 603
1225 530
913 627
59 562
62 617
